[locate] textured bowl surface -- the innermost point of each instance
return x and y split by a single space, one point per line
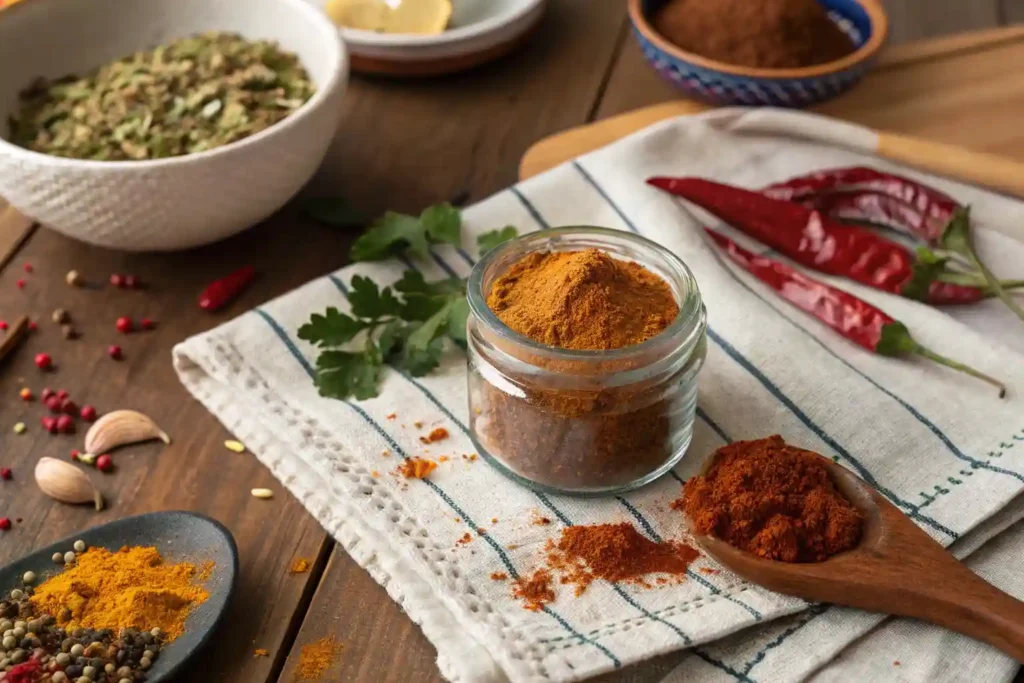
183 201
863 20
179 537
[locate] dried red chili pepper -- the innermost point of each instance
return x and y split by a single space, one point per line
855 319
815 241
927 210
220 293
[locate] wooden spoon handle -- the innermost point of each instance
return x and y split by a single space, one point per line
962 601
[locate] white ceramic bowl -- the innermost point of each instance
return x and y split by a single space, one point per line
479 31
179 202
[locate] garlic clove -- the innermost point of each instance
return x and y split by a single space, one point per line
119 428
64 482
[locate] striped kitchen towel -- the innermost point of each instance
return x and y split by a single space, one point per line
940 446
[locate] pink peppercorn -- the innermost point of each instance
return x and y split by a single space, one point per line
32 326
117 280
21 284
69 407
104 463
3 325
28 267
132 282
5 523
49 424
88 413
53 403
66 424
25 394
44 361
6 474
46 394
148 324
124 324
114 351
74 454
62 394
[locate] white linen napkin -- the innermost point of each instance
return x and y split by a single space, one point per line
940 445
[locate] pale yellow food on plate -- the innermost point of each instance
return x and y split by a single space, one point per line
428 17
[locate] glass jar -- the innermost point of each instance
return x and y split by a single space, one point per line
584 422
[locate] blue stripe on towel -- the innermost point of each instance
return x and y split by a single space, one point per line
530 207
747 365
506 561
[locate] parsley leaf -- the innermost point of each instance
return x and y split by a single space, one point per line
331 329
341 374
489 240
388 234
332 211
369 302
443 223
396 231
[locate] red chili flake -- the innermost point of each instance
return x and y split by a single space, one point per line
498 576
32 326
49 424
62 394
5 525
3 325
124 324
148 324
438 434
75 454
53 403
114 351
25 394
44 361
105 463
117 280
28 267
69 407
87 413
66 424
6 474
21 284
220 293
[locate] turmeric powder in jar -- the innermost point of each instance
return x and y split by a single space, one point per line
584 348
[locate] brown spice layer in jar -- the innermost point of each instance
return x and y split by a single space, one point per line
772 500
764 34
585 435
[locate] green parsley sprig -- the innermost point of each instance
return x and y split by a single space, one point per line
403 325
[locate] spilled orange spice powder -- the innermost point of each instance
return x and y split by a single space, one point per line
416 468
317 657
437 434
299 566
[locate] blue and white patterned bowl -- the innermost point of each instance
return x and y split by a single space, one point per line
719 83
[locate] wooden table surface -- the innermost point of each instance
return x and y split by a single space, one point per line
402 145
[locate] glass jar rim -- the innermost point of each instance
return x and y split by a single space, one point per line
690 308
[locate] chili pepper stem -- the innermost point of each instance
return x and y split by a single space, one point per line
960 367
969 280
996 286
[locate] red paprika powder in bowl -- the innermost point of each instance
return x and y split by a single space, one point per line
584 347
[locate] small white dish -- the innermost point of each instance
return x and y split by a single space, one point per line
178 202
479 31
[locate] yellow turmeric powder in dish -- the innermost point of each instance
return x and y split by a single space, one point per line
132 588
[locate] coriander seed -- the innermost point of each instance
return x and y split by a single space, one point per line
18 594
69 557
29 577
79 546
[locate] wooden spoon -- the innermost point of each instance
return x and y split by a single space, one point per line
895 569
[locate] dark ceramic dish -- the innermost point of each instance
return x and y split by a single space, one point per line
180 537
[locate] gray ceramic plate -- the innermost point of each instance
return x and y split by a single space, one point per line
180 537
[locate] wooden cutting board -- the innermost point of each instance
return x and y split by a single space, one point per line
952 105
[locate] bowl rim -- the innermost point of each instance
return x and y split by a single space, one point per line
879 32
335 80
463 33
